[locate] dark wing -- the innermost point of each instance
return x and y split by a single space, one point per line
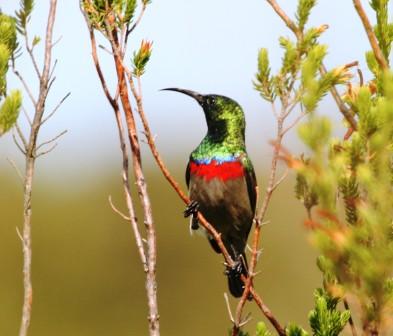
188 174
251 181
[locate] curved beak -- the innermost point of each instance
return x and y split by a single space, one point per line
198 97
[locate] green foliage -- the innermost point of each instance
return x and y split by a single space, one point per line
325 319
4 59
23 15
141 57
262 330
383 30
264 83
8 32
303 12
345 184
294 330
354 177
303 191
9 111
105 15
10 105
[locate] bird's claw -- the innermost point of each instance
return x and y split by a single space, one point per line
236 270
191 209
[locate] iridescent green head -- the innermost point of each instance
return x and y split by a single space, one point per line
224 116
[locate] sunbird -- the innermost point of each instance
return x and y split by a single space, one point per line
221 181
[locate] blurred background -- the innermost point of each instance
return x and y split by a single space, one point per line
87 277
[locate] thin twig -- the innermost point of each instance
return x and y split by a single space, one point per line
47 151
56 108
229 308
26 87
21 136
290 24
346 112
17 170
117 210
27 116
351 323
30 166
51 140
22 150
371 35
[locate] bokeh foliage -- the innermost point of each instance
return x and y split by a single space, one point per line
344 184
10 102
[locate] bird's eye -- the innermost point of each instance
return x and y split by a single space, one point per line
211 101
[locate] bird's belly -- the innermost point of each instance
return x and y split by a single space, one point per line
224 203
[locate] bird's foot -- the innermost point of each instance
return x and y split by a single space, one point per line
236 270
192 210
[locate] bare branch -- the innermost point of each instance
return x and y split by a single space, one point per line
17 170
351 322
51 148
21 136
136 23
229 308
27 116
371 35
53 70
23 151
290 24
51 140
117 210
27 88
56 108
30 158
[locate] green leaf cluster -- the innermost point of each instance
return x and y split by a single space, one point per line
23 15
108 14
9 104
353 181
141 57
325 319
302 59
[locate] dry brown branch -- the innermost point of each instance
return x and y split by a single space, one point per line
149 254
30 157
290 24
371 35
123 147
351 322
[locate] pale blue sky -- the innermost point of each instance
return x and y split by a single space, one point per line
209 46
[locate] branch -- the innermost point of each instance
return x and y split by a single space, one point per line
290 24
371 35
51 140
56 108
30 166
27 88
117 210
17 170
346 112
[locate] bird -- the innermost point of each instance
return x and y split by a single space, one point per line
221 181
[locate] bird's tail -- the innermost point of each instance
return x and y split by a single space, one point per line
235 283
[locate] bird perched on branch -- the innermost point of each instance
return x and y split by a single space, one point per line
221 181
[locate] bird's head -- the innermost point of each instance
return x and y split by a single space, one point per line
224 116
